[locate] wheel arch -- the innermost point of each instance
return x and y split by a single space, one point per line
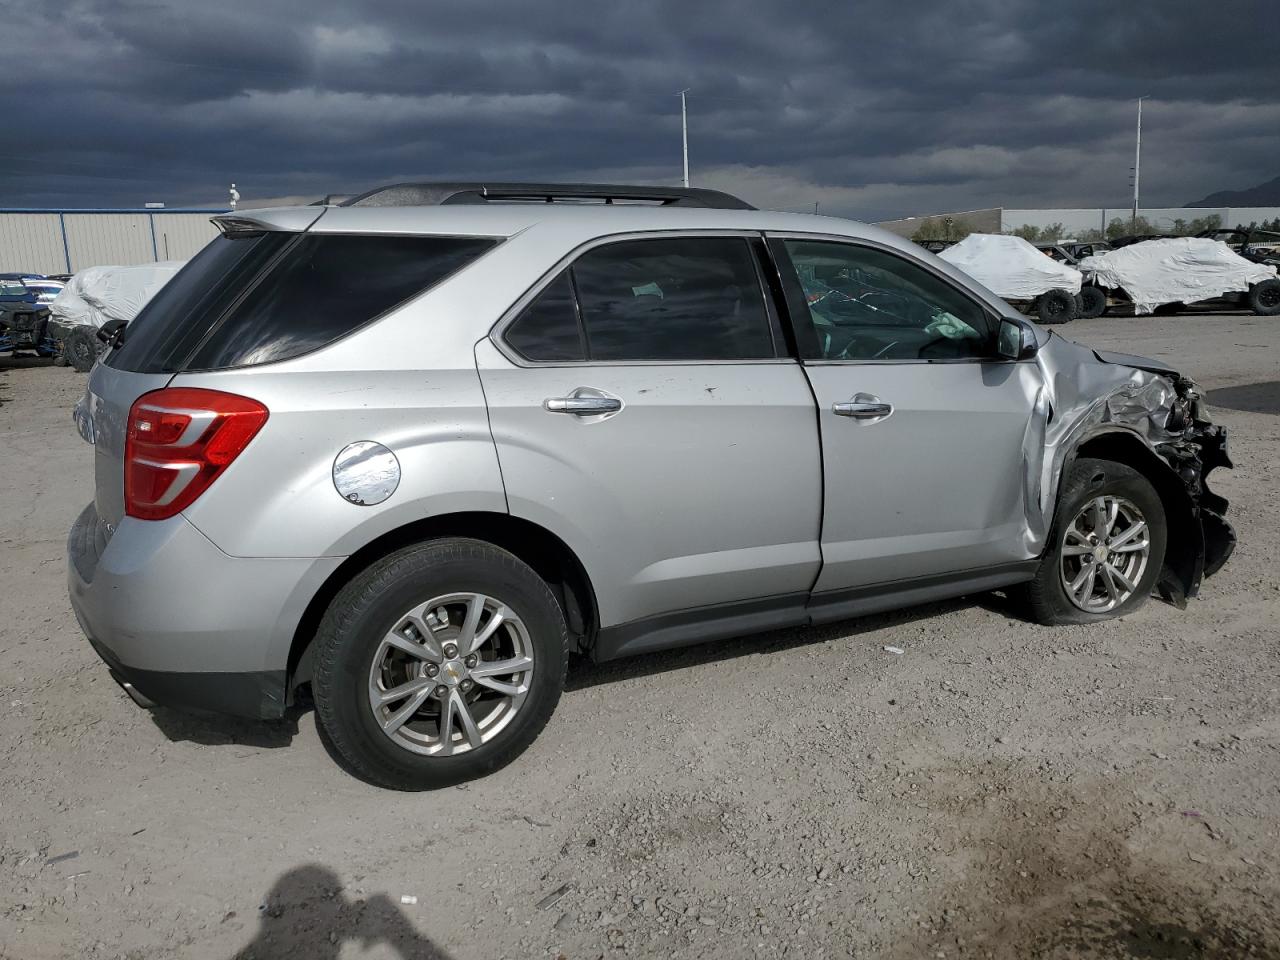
1184 548
549 556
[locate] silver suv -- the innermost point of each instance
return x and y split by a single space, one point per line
406 454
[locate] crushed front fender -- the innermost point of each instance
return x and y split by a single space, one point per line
1097 400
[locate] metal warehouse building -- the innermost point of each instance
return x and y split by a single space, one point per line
64 241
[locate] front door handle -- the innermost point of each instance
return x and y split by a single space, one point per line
863 406
583 402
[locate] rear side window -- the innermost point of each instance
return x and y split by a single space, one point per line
548 328
253 300
685 298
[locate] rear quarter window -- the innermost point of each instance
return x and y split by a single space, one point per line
262 299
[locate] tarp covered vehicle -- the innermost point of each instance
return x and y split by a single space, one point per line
1178 270
1014 270
96 296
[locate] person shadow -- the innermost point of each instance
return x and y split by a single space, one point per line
306 915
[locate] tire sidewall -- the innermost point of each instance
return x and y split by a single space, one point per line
1093 302
408 582
1116 480
1255 298
1066 307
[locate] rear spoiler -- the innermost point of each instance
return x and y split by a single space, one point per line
252 223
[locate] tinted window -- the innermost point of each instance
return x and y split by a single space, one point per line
167 329
689 298
262 299
867 304
547 329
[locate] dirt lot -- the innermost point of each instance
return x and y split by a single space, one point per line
1000 789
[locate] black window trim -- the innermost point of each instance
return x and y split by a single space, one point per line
497 333
803 331
297 237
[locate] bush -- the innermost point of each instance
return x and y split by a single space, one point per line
942 228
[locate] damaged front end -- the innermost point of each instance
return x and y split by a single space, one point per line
1135 410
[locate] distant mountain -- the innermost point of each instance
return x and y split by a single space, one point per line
1263 195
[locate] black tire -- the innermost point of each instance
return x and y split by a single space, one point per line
1093 302
366 609
81 349
1045 596
1056 306
1264 298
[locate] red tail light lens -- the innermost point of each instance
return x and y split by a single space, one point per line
179 440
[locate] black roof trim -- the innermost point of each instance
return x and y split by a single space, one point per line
434 194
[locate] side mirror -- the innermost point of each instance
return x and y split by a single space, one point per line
1016 340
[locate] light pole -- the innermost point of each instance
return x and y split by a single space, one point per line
684 134
1137 166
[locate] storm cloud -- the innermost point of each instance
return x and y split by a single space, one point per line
873 109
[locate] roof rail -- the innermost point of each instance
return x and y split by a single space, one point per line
433 194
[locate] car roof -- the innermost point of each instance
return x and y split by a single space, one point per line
584 220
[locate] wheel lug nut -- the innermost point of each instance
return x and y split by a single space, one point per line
432 670
471 661
465 685
450 650
442 691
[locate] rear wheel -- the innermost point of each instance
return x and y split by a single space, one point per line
1264 298
1056 306
1106 547
1093 302
439 663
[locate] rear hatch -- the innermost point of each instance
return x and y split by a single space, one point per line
255 296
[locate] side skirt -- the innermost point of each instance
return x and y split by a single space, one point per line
685 628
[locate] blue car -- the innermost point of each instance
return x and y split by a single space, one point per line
24 313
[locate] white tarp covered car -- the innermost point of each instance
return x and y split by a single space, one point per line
1016 271
1183 270
97 295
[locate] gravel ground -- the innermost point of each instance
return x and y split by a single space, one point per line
998 790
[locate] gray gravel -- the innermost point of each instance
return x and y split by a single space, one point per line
997 790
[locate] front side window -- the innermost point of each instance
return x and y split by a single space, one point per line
869 304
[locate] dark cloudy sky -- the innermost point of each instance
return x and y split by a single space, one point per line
876 108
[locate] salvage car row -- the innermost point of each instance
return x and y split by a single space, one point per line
1059 282
60 317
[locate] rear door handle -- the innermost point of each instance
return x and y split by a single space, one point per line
583 402
863 406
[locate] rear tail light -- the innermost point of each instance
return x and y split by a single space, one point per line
179 440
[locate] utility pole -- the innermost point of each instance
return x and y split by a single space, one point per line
1137 166
684 133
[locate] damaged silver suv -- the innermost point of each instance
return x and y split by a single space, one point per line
404 455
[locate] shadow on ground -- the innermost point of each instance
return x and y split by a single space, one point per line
217 730
1249 397
583 673
306 915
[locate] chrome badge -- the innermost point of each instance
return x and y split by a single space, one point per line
366 473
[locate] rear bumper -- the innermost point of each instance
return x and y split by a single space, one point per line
184 624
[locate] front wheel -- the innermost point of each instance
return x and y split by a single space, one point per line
1056 306
1105 549
439 663
80 349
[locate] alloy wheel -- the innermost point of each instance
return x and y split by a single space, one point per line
450 674
1104 553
